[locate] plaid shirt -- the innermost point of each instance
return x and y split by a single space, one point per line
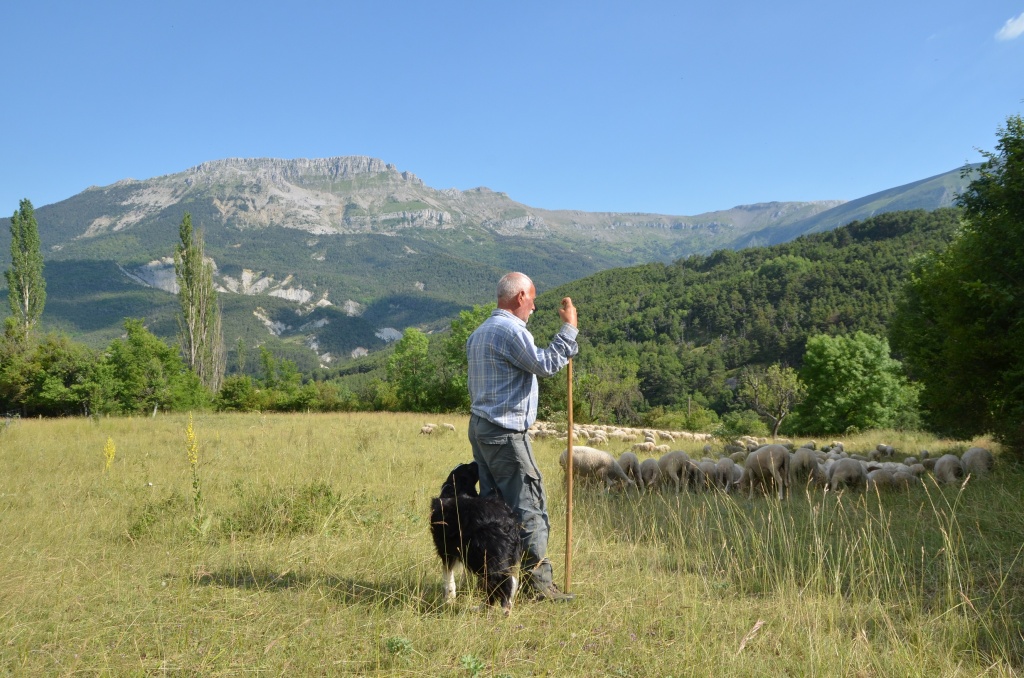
503 367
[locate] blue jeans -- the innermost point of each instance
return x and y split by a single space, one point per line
507 467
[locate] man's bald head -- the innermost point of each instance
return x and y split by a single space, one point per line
512 284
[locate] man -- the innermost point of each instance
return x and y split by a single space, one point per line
503 366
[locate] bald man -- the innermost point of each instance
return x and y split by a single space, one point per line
504 364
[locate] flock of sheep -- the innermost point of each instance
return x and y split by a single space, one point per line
771 468
747 464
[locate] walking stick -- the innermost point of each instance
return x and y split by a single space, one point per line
568 489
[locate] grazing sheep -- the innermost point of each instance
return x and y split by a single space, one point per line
803 468
948 469
885 450
646 446
676 466
881 480
977 461
449 427
725 470
847 473
903 480
929 464
589 462
910 461
925 454
631 465
767 464
426 430
708 477
650 472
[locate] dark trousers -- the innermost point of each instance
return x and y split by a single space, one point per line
506 463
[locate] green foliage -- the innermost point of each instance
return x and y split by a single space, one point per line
741 423
611 390
411 373
694 417
961 325
690 325
26 287
772 393
140 374
853 384
199 322
49 377
454 367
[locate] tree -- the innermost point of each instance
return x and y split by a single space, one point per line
199 324
453 372
853 384
145 374
411 373
611 389
772 393
26 287
960 325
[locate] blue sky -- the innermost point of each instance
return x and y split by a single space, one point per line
667 107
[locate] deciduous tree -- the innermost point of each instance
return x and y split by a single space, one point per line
772 393
961 323
853 384
202 342
26 287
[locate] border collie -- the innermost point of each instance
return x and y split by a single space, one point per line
481 534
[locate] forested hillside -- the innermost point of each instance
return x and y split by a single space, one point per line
686 327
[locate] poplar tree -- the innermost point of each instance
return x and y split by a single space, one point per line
26 287
199 325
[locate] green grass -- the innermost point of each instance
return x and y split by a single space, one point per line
316 559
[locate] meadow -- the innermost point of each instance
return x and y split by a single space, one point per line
298 544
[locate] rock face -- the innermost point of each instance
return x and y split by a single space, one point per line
359 194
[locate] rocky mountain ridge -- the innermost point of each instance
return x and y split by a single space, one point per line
339 255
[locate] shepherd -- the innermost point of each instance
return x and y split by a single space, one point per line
504 364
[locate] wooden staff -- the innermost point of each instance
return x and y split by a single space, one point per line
568 489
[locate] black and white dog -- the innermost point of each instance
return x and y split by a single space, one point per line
480 533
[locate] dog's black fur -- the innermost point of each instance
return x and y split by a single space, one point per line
480 533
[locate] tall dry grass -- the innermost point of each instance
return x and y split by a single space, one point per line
316 559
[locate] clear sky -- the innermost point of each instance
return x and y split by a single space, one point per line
670 107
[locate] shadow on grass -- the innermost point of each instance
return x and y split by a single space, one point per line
389 593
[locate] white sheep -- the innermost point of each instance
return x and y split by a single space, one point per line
676 466
708 475
726 468
426 430
650 472
881 480
767 464
589 462
948 469
803 468
977 461
448 427
847 473
631 465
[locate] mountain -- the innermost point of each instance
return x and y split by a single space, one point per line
332 258
928 194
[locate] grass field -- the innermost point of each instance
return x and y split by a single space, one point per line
299 545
